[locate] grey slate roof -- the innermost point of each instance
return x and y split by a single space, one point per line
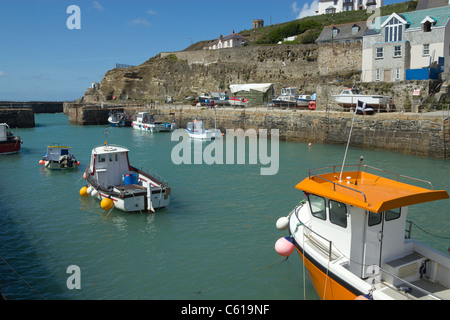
345 32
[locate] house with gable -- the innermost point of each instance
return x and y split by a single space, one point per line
335 6
231 41
343 33
413 45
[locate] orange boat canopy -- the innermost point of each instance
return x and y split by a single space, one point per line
369 191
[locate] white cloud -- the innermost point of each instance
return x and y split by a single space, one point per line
2 74
152 12
307 10
97 5
140 21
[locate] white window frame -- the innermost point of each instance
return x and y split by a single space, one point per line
377 75
397 53
426 49
379 53
397 73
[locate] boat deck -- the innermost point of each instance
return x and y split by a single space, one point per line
414 293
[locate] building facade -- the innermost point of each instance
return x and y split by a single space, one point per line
231 41
343 33
334 6
408 46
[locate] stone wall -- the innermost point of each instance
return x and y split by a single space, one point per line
17 117
409 133
337 58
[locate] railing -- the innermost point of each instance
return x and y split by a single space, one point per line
369 167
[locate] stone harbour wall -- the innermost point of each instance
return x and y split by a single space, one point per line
409 133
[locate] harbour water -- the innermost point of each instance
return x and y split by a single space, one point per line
214 241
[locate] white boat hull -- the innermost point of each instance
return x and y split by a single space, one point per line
351 100
154 127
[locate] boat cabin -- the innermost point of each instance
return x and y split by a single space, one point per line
364 216
54 153
350 91
145 117
4 129
109 165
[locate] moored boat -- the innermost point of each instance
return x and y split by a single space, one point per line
287 98
9 143
145 121
350 96
196 130
119 119
237 101
59 157
350 235
111 179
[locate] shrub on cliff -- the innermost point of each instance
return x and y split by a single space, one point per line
291 29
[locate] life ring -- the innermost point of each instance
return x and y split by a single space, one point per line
145 120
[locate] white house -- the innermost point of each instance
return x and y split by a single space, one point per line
413 45
231 41
334 6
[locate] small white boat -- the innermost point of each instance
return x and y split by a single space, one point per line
196 130
145 121
237 101
204 97
350 96
111 179
287 98
119 119
353 236
303 100
59 157
9 143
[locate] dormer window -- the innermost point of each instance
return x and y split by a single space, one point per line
393 28
355 29
335 32
427 23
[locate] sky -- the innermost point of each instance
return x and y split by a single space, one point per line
51 52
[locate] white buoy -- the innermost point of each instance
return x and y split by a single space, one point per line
89 189
94 193
282 223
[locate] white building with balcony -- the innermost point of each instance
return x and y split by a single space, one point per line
334 6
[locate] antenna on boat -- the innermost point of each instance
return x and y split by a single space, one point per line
106 137
348 142
359 167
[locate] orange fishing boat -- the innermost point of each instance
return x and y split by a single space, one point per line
353 236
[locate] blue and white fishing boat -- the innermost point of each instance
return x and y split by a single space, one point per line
119 119
145 121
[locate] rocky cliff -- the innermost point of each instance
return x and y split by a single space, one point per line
184 73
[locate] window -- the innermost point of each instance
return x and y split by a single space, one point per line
426 50
377 75
338 213
355 29
317 205
392 214
397 73
397 51
101 158
426 27
335 32
379 53
393 31
374 218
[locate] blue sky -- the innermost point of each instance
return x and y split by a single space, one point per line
42 59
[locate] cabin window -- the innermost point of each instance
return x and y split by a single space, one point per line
111 158
317 205
374 218
338 213
101 158
392 214
64 152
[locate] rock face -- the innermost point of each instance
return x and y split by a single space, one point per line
184 73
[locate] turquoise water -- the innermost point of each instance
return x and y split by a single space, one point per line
215 240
